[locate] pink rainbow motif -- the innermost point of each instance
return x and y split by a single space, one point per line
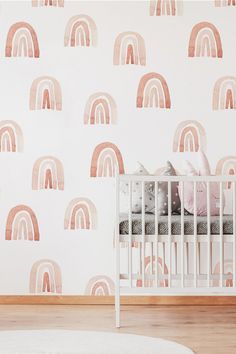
219 3
226 166
100 109
189 136
151 269
153 92
105 159
22 39
55 3
129 48
166 7
45 93
100 285
228 270
205 41
80 214
45 278
48 173
11 137
81 31
224 93
22 224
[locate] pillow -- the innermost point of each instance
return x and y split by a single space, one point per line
162 196
201 189
137 193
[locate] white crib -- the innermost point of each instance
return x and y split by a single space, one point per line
186 266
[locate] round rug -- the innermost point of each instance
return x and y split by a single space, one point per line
84 342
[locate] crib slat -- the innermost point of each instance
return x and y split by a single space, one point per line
221 237
169 233
234 233
117 257
182 235
156 235
195 233
130 236
209 253
143 234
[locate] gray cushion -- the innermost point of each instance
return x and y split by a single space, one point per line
175 224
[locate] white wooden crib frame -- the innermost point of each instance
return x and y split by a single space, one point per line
130 277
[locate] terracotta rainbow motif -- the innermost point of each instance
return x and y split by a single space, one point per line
80 31
228 270
81 213
226 166
48 173
205 41
224 93
190 136
100 109
22 224
151 269
100 285
129 48
22 41
45 278
153 92
106 158
45 93
165 7
11 137
220 3
55 3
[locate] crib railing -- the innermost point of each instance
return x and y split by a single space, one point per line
169 263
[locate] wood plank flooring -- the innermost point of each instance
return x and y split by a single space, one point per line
205 329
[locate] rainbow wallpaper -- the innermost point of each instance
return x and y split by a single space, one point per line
88 88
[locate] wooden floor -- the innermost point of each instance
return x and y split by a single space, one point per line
205 329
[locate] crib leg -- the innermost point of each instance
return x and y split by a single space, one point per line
117 307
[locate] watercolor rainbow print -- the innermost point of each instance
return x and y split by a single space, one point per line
48 173
165 7
224 93
45 93
11 137
80 31
100 109
153 91
22 224
105 160
221 3
129 48
205 41
226 166
55 3
45 278
22 41
100 285
189 136
80 214
150 268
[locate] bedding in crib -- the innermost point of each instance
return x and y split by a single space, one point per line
201 189
162 193
175 224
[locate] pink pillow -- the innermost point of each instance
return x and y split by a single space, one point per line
201 192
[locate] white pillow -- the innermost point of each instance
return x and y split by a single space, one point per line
137 194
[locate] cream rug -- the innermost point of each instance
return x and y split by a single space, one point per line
83 342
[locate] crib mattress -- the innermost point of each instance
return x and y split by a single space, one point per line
175 224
